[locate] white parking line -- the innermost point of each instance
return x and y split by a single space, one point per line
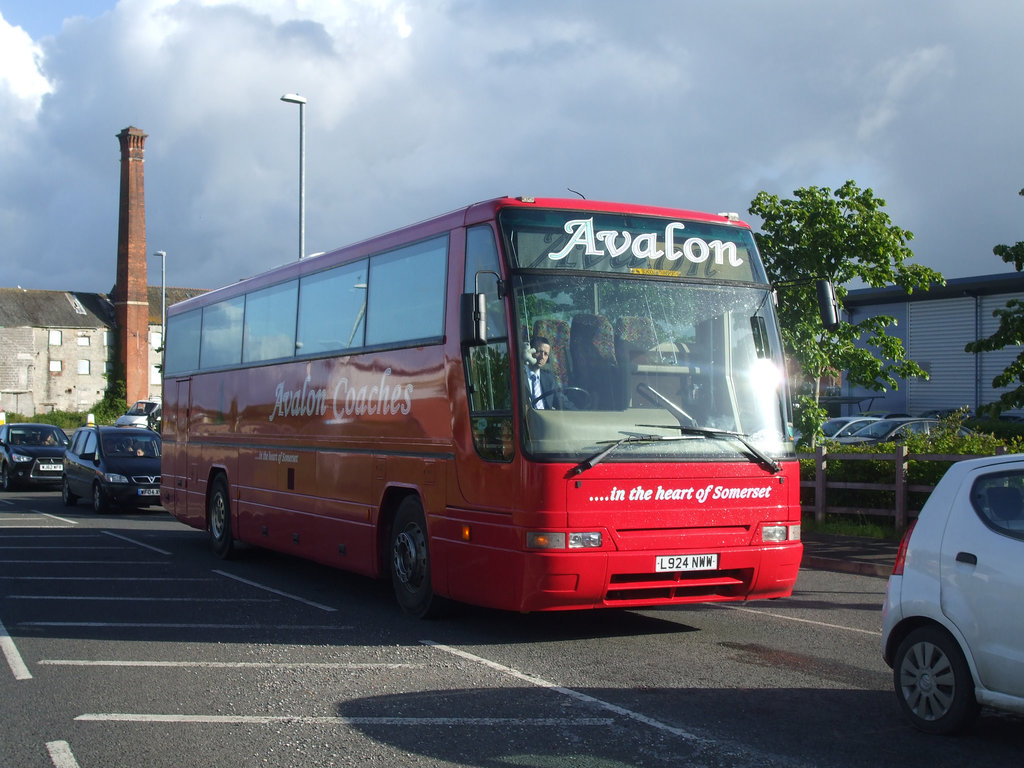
124 717
14 660
146 599
228 664
277 591
137 543
61 755
171 625
54 517
872 632
587 699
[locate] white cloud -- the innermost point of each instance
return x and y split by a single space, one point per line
20 73
417 108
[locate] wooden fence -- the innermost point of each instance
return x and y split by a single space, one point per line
900 487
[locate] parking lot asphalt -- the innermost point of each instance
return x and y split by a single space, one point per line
849 554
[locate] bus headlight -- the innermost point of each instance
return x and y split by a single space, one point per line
588 540
778 533
553 540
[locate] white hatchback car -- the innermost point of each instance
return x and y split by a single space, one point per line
953 622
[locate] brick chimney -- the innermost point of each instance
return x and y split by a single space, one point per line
130 297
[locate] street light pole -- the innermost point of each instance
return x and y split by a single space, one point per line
294 98
163 305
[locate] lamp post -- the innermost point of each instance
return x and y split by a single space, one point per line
163 305
294 98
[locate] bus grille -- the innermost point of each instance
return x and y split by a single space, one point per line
681 586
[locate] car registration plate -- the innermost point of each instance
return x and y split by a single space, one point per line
50 467
708 562
149 491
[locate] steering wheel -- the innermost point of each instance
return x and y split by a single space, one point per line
581 406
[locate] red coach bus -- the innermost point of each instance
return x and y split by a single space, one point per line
372 408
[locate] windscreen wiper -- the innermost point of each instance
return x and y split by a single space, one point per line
723 434
601 455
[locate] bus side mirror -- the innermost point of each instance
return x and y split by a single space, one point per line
473 319
828 305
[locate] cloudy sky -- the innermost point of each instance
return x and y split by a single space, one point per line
419 107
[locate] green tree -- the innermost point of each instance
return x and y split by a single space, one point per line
842 235
1010 332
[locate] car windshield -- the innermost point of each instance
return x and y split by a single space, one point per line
122 445
38 436
649 359
851 428
141 408
879 428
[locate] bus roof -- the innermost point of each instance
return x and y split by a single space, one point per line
467 216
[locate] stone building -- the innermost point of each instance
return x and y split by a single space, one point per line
58 348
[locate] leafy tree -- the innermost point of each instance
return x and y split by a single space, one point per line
842 235
1010 332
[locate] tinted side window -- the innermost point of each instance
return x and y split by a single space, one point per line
407 292
222 333
270 323
998 500
183 342
89 445
332 309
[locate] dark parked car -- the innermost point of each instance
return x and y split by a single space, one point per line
31 454
113 466
893 431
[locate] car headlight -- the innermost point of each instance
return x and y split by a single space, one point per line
20 458
113 477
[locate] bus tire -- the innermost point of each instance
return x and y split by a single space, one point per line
218 515
410 560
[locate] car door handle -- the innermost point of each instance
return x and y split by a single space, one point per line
966 557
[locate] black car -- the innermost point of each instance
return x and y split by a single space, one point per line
113 466
32 454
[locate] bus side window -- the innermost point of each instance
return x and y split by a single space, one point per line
488 367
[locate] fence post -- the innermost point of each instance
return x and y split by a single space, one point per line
900 462
820 465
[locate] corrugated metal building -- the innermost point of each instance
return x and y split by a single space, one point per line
934 327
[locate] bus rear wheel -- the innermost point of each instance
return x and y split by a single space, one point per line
410 560
219 520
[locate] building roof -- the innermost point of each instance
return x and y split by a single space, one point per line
24 308
983 285
21 308
174 295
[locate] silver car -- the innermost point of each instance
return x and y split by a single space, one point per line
953 622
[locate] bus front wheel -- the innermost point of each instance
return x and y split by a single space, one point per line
410 560
219 515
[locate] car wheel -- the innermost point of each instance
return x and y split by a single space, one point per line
5 478
66 495
99 499
410 561
933 682
219 516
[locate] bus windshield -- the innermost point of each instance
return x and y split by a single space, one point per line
670 365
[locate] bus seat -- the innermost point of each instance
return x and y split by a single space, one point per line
635 337
556 332
594 368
